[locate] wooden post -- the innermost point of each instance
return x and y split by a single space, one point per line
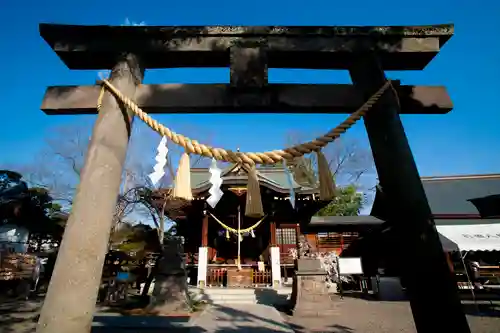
297 240
272 239
449 260
431 288
204 231
72 294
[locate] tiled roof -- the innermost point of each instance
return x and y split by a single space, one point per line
451 195
465 221
273 176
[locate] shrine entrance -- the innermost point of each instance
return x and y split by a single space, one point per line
366 52
239 261
239 247
252 248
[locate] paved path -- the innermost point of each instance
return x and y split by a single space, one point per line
19 316
242 318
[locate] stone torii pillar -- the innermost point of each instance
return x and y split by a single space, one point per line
81 256
432 289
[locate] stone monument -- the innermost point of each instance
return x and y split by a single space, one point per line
170 293
310 297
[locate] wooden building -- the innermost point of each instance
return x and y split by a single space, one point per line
205 234
466 211
337 233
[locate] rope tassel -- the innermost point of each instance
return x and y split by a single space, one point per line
182 187
326 183
253 206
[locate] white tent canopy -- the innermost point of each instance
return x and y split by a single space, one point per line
470 237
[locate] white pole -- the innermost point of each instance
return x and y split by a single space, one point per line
239 238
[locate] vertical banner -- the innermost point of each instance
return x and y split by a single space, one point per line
290 183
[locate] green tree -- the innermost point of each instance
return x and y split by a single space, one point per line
347 203
31 208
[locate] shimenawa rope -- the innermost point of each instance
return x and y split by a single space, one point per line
242 231
250 158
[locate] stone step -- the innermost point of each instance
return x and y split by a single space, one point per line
241 291
226 291
243 296
232 302
228 296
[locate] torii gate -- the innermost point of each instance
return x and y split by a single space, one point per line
365 51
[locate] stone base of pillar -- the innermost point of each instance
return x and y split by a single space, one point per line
170 293
275 267
310 297
202 267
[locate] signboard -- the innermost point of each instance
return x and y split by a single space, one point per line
470 237
350 266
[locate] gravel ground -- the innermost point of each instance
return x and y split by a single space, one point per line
365 316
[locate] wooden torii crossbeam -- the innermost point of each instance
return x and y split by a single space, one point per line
219 98
315 47
366 52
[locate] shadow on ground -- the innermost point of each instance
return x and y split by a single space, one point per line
18 315
482 309
270 297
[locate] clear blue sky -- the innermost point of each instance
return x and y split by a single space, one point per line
465 141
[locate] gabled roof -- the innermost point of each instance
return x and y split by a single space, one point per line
271 177
451 195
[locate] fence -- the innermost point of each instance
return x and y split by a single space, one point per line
217 277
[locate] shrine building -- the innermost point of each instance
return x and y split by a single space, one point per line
264 250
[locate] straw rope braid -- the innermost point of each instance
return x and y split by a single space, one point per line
250 158
242 231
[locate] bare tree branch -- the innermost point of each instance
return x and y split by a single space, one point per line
58 167
348 160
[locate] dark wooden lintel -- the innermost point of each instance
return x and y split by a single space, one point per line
96 47
217 98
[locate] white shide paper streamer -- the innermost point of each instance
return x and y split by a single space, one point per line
216 181
161 161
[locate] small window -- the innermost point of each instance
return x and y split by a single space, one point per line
286 236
